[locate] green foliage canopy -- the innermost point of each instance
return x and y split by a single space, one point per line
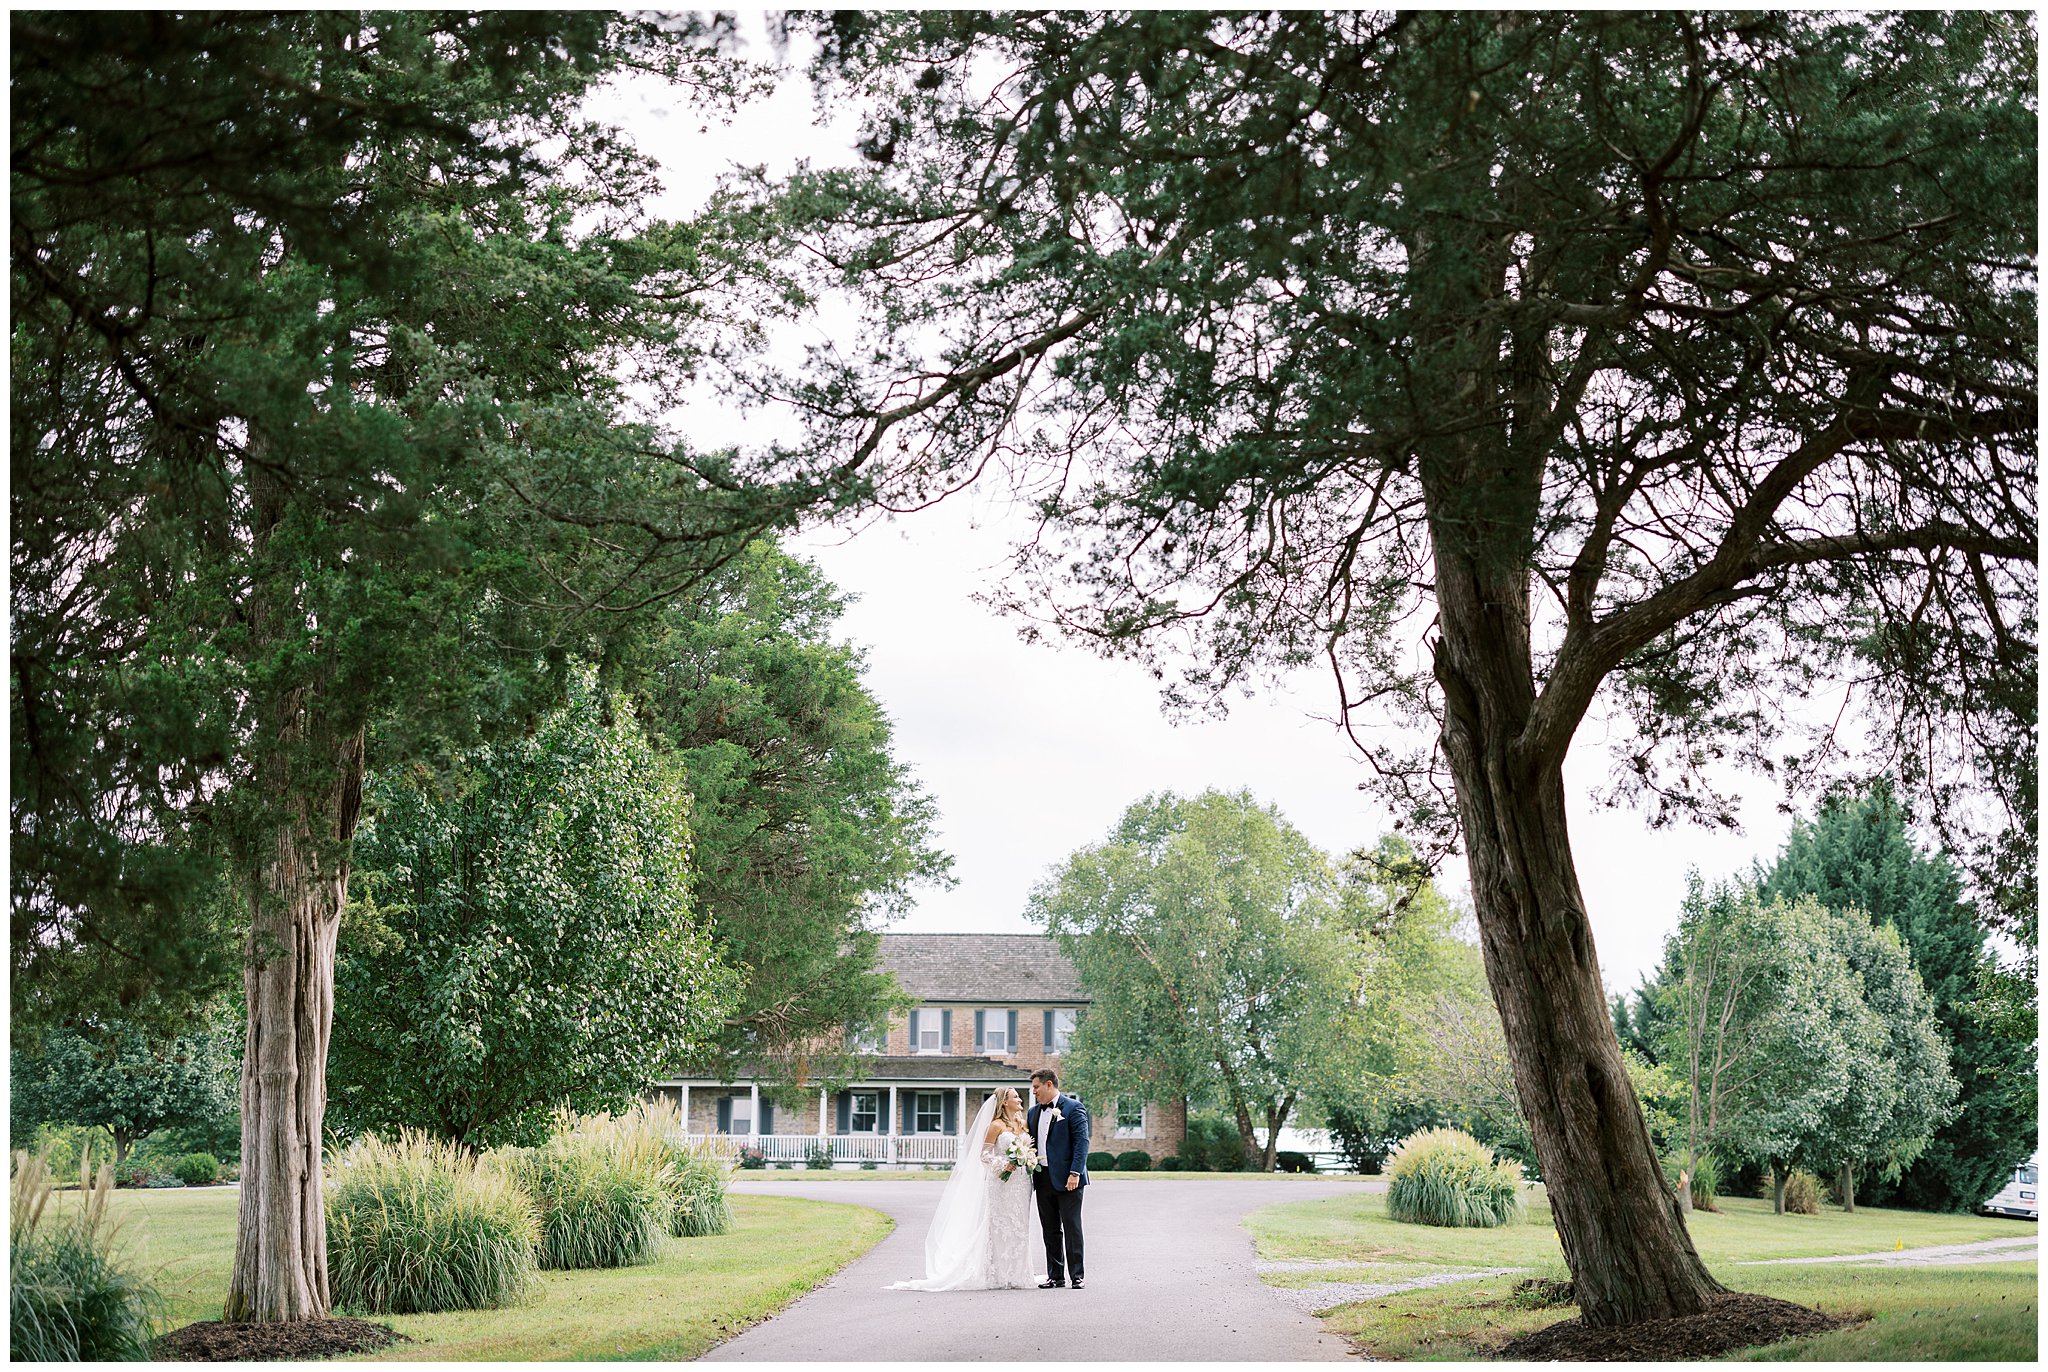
524 940
1856 854
125 1079
809 833
1208 933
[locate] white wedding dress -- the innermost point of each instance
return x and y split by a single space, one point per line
980 1239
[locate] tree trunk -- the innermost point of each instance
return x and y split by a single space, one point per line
280 1270
1622 1231
124 1139
1848 1188
1685 1191
1778 1179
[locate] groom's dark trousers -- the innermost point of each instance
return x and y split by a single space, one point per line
1059 1217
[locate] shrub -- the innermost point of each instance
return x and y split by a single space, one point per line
1294 1162
1802 1193
753 1157
197 1169
1102 1162
418 1226
130 1172
818 1157
1211 1144
869 1165
699 1170
160 1181
1134 1161
1173 1164
1446 1177
70 1299
1706 1178
605 1191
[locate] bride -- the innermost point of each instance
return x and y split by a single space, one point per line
980 1234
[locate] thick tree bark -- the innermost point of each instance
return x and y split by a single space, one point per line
1848 1188
280 1270
1778 1179
1623 1234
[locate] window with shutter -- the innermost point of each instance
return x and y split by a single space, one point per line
1130 1119
994 1027
925 1026
866 1112
931 1112
1059 1029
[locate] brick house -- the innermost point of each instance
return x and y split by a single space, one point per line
990 1009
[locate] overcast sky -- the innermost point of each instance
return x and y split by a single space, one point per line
1033 750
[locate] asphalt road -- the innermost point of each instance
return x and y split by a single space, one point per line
1170 1279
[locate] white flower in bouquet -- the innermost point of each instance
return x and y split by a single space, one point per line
1019 1153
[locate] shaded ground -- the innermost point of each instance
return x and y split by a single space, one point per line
1736 1320
219 1341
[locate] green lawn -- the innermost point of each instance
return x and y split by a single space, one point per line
1986 1311
698 1293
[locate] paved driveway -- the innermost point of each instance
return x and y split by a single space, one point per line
1170 1279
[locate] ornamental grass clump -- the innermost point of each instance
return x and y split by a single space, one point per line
70 1299
418 1226
701 1169
606 1192
1448 1178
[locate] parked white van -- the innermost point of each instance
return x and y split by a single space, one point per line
2021 1196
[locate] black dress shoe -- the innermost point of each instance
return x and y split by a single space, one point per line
1049 1285
1077 1283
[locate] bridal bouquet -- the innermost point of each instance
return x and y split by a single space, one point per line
1019 1153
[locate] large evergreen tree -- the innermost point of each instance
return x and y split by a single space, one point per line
322 328
1857 854
809 833
1679 366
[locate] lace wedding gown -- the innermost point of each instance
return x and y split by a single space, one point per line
980 1235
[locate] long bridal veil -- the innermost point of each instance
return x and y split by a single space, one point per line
955 1247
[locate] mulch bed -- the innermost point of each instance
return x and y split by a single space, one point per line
219 1341
1735 1320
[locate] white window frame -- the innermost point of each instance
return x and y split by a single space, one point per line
1062 1035
938 1112
874 1112
996 1022
918 1020
1125 1132
874 1042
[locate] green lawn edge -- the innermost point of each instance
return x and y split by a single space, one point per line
1970 1312
696 1294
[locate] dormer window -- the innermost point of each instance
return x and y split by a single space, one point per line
928 1030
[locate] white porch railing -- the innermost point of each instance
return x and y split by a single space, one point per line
882 1149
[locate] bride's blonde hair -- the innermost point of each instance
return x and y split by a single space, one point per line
1010 1107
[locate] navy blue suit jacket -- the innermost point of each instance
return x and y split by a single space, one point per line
1066 1143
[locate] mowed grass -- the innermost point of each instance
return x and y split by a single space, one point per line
698 1292
1966 1312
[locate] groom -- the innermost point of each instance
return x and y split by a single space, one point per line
1059 1124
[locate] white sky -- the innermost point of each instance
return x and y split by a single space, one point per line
1033 750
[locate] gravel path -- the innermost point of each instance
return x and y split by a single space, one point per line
1171 1278
1316 1299
1941 1255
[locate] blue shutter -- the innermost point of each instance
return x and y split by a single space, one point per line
845 1112
1011 1051
952 1113
766 1124
945 1031
1047 1042
725 1114
980 1031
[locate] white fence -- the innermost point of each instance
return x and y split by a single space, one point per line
881 1149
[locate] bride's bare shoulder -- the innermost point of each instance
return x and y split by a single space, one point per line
995 1131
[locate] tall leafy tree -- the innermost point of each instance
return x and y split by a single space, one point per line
525 939
322 461
1676 366
124 1079
1856 853
810 833
1906 1091
1207 933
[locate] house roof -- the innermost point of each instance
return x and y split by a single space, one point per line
995 968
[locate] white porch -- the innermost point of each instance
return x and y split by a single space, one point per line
884 1150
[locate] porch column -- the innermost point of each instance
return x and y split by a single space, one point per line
960 1134
686 1109
892 1125
754 1110
821 1112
